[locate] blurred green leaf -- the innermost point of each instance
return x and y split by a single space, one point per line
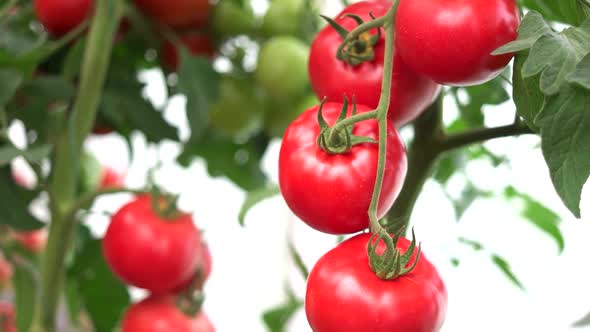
276 318
298 261
97 287
256 196
582 322
477 246
528 96
14 204
503 265
25 285
33 154
10 80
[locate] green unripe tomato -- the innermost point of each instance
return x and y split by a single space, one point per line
278 118
231 19
283 18
239 110
282 68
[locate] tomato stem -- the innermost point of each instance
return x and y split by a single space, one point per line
67 154
342 124
354 34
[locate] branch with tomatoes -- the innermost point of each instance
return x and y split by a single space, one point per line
359 102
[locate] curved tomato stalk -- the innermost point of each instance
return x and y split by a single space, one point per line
392 264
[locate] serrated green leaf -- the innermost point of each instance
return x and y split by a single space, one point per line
200 84
565 141
14 204
254 197
98 286
581 75
10 80
532 27
505 268
555 56
527 93
25 285
539 215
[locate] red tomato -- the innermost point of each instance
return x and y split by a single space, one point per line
332 78
204 266
332 192
343 294
5 271
148 251
7 317
197 44
111 179
34 241
160 314
450 41
61 16
177 13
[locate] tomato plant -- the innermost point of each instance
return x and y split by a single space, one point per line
198 44
177 14
332 78
170 243
345 181
61 16
452 41
160 314
344 294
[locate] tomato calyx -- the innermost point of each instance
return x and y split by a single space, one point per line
359 50
339 138
392 263
191 300
165 205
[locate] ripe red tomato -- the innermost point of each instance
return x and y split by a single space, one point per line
7 317
111 178
204 266
5 272
332 192
197 44
61 16
150 252
177 13
332 78
160 314
451 41
343 294
34 241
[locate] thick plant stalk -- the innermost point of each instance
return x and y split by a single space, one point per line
67 153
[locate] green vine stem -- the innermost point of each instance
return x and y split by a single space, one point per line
67 153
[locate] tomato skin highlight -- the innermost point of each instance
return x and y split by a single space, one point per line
149 252
196 43
451 41
177 13
62 16
344 295
332 192
160 314
332 78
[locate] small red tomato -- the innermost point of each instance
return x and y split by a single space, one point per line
197 44
147 251
204 266
5 272
343 293
7 317
332 192
332 78
177 13
160 314
451 41
61 16
34 241
111 179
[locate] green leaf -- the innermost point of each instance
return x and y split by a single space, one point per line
256 196
556 56
584 321
539 215
505 268
581 75
298 261
477 246
34 154
14 204
10 80
200 84
25 285
532 27
97 287
527 93
561 10
238 162
275 319
448 165
565 141
469 194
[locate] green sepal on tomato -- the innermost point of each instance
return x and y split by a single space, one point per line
332 192
332 78
451 41
150 251
343 293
